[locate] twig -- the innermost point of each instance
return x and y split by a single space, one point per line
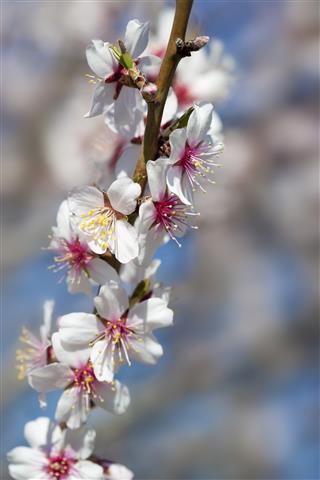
155 109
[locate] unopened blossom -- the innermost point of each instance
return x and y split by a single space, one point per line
36 352
164 214
102 217
110 76
117 334
54 454
75 374
193 152
73 255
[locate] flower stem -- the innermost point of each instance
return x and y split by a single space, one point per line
169 64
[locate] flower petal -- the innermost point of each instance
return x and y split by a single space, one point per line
78 329
157 171
74 357
84 199
199 123
81 441
127 161
47 318
150 66
101 272
102 99
127 109
42 432
50 377
112 301
116 471
177 141
123 195
126 247
100 59
72 407
85 469
136 37
146 350
179 184
150 314
114 398
26 463
102 360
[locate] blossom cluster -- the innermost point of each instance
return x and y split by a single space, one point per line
105 240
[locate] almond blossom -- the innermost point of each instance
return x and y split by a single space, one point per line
110 91
38 349
102 217
117 333
192 156
75 374
74 255
54 454
164 214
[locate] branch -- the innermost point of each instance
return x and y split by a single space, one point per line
155 109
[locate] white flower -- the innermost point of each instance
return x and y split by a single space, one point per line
102 217
54 454
37 351
74 255
204 76
110 92
75 374
117 333
192 154
161 215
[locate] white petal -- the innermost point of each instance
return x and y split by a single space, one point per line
115 398
100 59
79 284
170 108
101 272
123 195
84 199
78 328
47 318
147 216
64 228
127 161
177 141
146 350
72 408
150 314
149 243
199 123
102 361
119 472
157 171
41 432
81 441
150 66
126 247
102 99
125 111
26 463
50 377
179 184
136 37
84 469
75 358
112 301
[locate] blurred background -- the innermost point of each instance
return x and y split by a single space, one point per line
236 394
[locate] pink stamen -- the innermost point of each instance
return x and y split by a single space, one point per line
171 215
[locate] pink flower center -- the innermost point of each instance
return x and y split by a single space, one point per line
171 215
85 378
116 78
59 466
74 255
184 96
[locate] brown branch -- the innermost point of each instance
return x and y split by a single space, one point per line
155 109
